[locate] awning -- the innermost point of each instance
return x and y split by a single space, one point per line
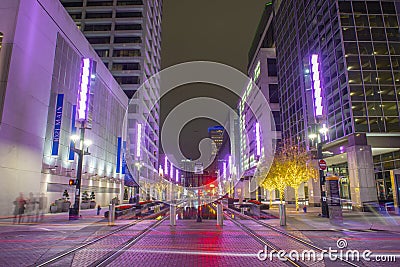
129 180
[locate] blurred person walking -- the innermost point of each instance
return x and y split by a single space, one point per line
19 210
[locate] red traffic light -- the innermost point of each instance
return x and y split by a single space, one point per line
72 182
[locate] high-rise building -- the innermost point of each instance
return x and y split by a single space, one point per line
262 71
216 133
339 79
126 34
45 64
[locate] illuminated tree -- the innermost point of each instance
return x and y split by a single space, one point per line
269 185
277 177
298 168
160 186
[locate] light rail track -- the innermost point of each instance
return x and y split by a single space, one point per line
299 243
103 259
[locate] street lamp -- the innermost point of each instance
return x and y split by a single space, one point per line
87 74
74 212
312 136
138 166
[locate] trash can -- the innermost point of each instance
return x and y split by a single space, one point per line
282 214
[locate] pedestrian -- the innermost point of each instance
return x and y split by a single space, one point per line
98 210
20 207
41 207
305 208
30 207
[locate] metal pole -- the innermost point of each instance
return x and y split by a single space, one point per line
324 204
172 215
220 217
199 219
282 214
74 212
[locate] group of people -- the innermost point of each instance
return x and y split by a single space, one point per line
33 208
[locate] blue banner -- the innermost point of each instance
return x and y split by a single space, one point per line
57 124
118 169
123 158
73 132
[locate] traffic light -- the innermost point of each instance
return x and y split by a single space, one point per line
72 182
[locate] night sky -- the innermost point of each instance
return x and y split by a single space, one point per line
213 30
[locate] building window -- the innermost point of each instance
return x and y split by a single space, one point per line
128 27
98 27
102 52
98 40
127 80
126 66
277 118
99 3
76 16
272 70
72 4
129 2
128 15
98 15
273 93
120 40
127 53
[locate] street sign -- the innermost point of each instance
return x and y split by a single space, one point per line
322 164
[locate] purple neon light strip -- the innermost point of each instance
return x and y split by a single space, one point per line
166 166
316 84
258 139
84 89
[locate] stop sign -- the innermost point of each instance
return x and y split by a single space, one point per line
322 164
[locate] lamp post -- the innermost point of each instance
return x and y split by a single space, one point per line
138 166
74 212
324 205
87 74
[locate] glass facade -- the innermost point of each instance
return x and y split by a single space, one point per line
359 43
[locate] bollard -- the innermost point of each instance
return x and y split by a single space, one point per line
111 214
172 215
282 214
220 217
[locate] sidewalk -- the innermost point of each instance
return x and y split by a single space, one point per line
352 220
26 243
53 219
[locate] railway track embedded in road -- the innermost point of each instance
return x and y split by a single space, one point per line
285 239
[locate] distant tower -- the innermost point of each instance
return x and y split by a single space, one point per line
216 133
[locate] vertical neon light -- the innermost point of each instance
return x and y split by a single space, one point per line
166 165
316 85
84 90
177 175
139 137
258 139
224 170
171 171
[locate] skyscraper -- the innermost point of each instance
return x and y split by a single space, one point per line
262 71
216 133
126 34
339 80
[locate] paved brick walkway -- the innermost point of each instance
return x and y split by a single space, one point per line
194 244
